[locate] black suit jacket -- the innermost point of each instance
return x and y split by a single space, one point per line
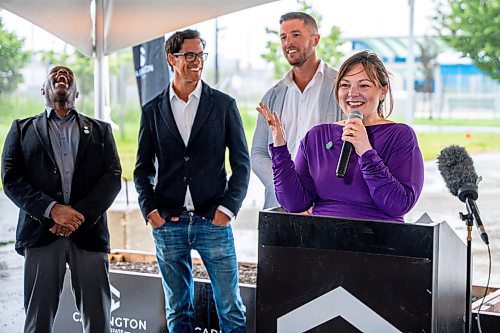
32 181
200 164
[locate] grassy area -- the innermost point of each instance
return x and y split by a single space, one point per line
128 120
12 108
431 144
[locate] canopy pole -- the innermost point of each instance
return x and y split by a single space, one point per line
101 89
102 109
410 75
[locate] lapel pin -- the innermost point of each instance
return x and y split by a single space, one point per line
329 145
86 129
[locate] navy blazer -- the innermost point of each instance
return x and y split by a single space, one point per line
166 166
32 181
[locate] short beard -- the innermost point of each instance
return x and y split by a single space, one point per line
301 60
298 62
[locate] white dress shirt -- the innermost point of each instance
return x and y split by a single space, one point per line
301 108
184 114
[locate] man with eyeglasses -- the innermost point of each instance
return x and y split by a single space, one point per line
302 99
184 193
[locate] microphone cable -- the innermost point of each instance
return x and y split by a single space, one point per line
478 317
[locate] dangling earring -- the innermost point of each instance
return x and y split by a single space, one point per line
379 109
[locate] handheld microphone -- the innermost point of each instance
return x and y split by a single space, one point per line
457 169
345 153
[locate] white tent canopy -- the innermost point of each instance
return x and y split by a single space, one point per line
100 27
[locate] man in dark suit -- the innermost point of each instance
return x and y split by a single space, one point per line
62 170
183 137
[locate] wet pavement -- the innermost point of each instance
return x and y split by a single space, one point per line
441 205
435 200
11 271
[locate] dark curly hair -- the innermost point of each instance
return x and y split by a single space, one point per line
375 70
174 43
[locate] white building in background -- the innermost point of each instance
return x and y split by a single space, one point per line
456 87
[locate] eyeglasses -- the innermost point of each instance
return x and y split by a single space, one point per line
191 56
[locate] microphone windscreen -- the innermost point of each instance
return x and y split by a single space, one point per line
457 168
355 114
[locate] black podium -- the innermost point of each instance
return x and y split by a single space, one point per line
324 274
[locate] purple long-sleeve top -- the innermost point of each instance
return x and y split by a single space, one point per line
382 184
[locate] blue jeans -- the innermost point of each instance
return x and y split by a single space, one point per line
174 242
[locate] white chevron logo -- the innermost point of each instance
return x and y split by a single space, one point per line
335 303
114 292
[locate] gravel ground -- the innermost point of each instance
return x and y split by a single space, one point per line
247 271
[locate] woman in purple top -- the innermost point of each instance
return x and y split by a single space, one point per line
385 173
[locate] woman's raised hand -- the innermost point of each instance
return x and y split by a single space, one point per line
274 123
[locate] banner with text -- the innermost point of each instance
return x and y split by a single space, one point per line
151 69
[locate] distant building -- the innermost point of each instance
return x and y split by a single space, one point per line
456 84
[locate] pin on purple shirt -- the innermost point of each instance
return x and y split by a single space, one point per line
382 184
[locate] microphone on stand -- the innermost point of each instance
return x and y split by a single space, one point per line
345 153
457 169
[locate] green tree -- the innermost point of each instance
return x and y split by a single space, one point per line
327 48
472 27
12 59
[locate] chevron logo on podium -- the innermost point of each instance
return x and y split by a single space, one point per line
336 303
